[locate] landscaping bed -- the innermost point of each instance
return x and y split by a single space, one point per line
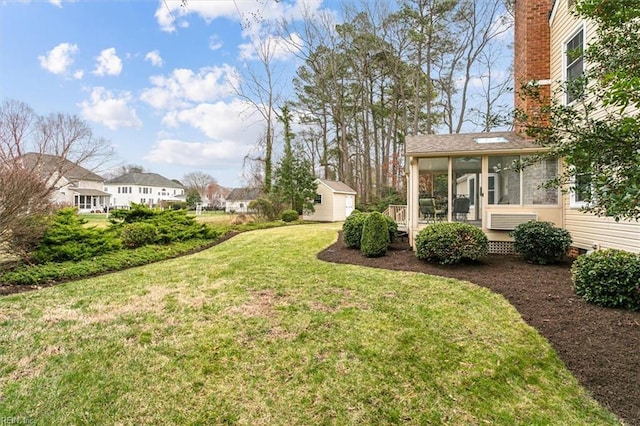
598 345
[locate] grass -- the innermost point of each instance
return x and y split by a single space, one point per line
100 220
258 331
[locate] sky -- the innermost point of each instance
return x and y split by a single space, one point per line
153 77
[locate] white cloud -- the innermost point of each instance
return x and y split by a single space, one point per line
248 13
271 46
108 63
109 110
184 87
56 2
196 154
154 57
215 43
219 121
59 59
78 74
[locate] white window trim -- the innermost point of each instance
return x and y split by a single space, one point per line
581 27
573 203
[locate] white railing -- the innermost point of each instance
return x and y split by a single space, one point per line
397 213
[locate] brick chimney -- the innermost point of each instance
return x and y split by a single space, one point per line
531 50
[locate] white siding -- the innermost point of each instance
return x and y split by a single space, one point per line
324 212
586 229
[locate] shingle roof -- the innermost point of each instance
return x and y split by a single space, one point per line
337 186
49 164
144 179
239 194
467 143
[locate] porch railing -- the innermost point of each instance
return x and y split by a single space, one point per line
397 213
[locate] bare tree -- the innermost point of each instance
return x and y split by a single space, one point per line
35 154
198 181
123 169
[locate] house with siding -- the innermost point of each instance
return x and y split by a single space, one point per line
237 201
74 185
150 189
472 178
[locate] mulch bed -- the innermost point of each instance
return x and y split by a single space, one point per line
600 346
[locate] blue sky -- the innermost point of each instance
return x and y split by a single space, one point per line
154 78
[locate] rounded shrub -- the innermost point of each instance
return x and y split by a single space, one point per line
540 242
393 228
138 234
451 242
352 229
609 278
289 216
375 235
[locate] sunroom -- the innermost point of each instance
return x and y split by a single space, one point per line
474 178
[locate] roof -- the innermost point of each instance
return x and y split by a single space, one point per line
337 186
144 179
240 194
49 164
467 143
88 191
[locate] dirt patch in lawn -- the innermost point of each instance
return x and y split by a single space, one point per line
600 346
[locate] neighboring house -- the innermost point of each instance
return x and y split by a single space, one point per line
334 201
469 177
239 198
75 185
215 196
150 189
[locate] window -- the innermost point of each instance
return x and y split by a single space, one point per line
580 190
317 199
574 57
509 185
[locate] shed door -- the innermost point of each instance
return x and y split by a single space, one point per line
348 202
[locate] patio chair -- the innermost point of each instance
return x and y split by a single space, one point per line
461 208
429 210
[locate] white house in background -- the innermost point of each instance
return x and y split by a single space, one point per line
334 201
239 198
75 185
150 189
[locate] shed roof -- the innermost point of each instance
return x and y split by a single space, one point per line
144 179
337 186
468 143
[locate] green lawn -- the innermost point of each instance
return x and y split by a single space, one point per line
257 331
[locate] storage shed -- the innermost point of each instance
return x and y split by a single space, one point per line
334 201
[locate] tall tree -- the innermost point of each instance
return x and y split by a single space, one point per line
199 182
294 182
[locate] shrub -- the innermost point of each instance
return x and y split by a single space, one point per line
393 228
375 235
138 234
540 242
289 215
609 278
451 242
68 239
352 229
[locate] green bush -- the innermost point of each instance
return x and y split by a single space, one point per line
289 215
170 225
540 242
375 235
115 261
352 229
393 228
451 242
609 278
138 234
68 239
